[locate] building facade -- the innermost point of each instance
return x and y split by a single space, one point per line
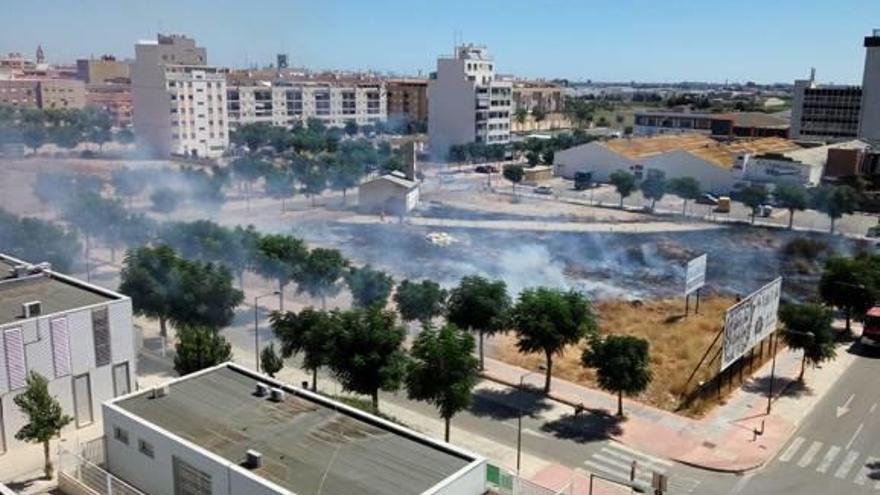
467 102
22 93
824 112
114 98
62 93
408 100
179 102
286 102
869 122
729 125
77 335
546 99
102 70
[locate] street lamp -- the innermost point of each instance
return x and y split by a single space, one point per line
257 328
519 417
773 366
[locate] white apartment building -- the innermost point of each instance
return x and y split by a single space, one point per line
179 101
285 103
77 335
467 102
869 123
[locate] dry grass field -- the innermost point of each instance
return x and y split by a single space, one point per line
677 344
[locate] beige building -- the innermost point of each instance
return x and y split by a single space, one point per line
102 70
62 93
408 100
23 93
113 98
547 98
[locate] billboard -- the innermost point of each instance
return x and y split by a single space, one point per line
749 321
695 276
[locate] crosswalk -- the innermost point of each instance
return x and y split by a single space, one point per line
615 461
833 460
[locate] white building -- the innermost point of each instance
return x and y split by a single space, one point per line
285 103
229 431
869 123
393 193
79 336
179 102
467 102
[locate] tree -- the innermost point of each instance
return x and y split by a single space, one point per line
514 174
538 114
753 196
124 136
128 183
808 327
369 286
45 416
624 182
164 200
148 276
199 347
419 301
38 240
351 128
850 285
367 353
443 370
654 186
280 185
521 115
480 305
310 333
203 295
314 180
791 196
622 363
321 272
547 320
686 188
345 175
270 361
533 158
247 170
457 153
34 136
282 257
837 201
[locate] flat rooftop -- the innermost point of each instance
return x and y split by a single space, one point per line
721 154
308 447
55 294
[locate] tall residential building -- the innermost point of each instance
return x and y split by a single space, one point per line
869 123
408 100
466 102
824 112
76 335
179 101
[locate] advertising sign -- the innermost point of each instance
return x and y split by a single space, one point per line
695 276
749 321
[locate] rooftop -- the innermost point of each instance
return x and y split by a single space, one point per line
55 293
700 145
309 444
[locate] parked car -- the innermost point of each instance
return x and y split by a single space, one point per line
707 199
543 190
486 169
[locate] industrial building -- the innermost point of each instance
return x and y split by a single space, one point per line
77 335
678 155
179 101
806 166
227 430
467 102
721 125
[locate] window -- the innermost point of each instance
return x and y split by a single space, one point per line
82 400
101 336
121 383
188 480
145 447
60 346
2 431
120 435
16 369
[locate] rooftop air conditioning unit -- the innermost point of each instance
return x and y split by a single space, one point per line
277 395
31 309
253 459
262 390
22 270
160 391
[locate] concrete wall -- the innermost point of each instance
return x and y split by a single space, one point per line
470 480
38 357
590 157
712 177
869 121
382 195
151 103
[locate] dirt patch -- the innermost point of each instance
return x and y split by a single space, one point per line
677 344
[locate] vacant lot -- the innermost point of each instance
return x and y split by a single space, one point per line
677 344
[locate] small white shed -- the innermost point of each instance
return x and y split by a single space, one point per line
390 193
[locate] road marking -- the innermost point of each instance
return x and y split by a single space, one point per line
856 434
828 459
848 462
841 410
811 452
862 476
791 450
873 407
742 483
629 460
534 433
625 466
598 468
652 459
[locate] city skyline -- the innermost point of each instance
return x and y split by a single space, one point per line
636 41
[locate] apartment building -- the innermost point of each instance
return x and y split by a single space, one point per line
179 102
102 70
467 102
869 122
408 100
227 430
824 112
24 93
532 96
62 93
284 101
77 335
114 98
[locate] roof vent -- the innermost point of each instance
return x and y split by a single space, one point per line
262 390
31 309
160 391
22 270
253 459
276 395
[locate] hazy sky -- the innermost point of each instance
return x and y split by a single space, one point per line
643 40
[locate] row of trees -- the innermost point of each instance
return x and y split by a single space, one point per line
313 136
536 150
66 127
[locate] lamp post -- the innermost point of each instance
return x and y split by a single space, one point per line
257 328
773 366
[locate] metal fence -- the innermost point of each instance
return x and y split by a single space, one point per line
503 482
77 475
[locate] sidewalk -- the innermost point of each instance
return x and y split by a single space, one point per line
725 439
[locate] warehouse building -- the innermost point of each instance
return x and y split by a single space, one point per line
807 166
678 155
227 430
77 335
